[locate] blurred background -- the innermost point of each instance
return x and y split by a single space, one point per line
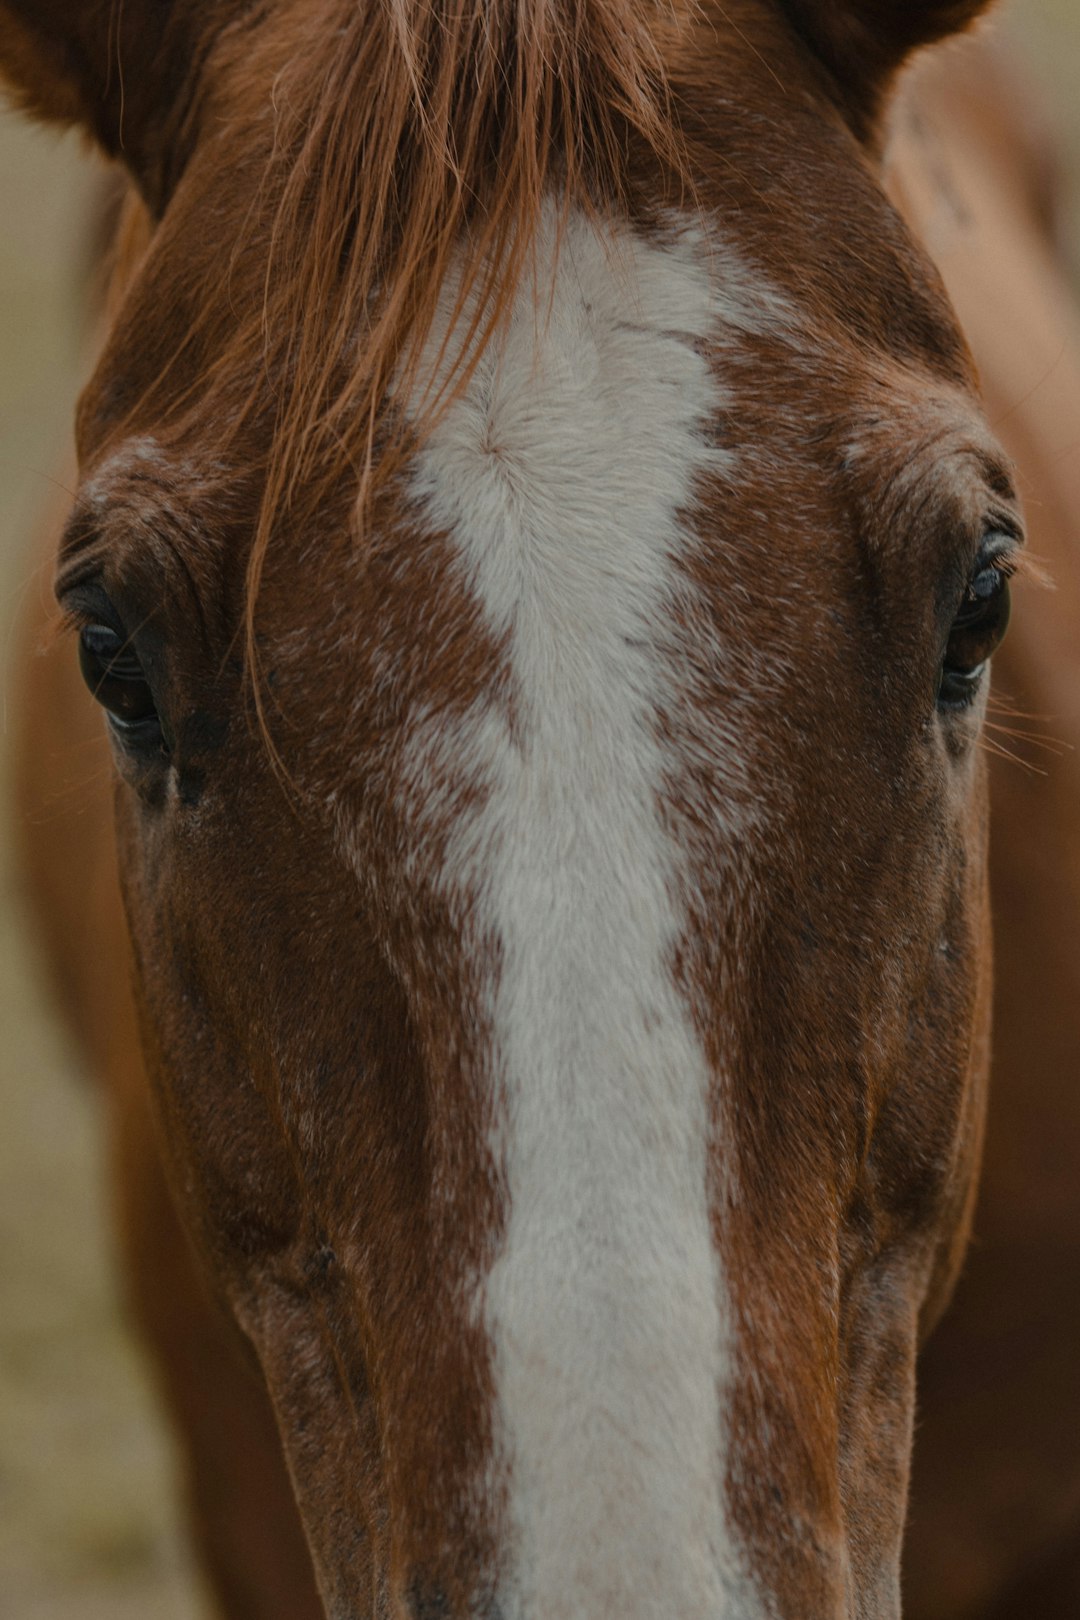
88 1524
88 1527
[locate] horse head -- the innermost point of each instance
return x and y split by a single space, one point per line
538 551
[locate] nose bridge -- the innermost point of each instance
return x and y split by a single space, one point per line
606 1313
605 1304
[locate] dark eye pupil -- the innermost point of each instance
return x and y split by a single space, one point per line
977 632
112 671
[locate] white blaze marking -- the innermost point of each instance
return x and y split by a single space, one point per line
562 475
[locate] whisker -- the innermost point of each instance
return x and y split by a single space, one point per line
1049 745
1001 703
1000 752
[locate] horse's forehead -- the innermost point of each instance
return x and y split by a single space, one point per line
784 188
783 352
613 341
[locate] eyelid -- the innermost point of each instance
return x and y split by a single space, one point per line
1002 546
1011 556
1000 542
85 603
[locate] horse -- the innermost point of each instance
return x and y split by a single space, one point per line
539 549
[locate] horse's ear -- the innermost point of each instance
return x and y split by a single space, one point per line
123 70
864 42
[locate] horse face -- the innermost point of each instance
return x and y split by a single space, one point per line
566 997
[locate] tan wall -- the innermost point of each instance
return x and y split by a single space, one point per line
87 1522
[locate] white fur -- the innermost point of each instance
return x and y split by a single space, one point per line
564 476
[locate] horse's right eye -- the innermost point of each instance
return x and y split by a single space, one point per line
111 669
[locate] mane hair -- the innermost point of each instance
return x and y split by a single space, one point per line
423 135
418 137
412 139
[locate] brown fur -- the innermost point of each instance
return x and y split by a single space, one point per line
862 45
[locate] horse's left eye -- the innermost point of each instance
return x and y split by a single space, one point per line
111 669
978 630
